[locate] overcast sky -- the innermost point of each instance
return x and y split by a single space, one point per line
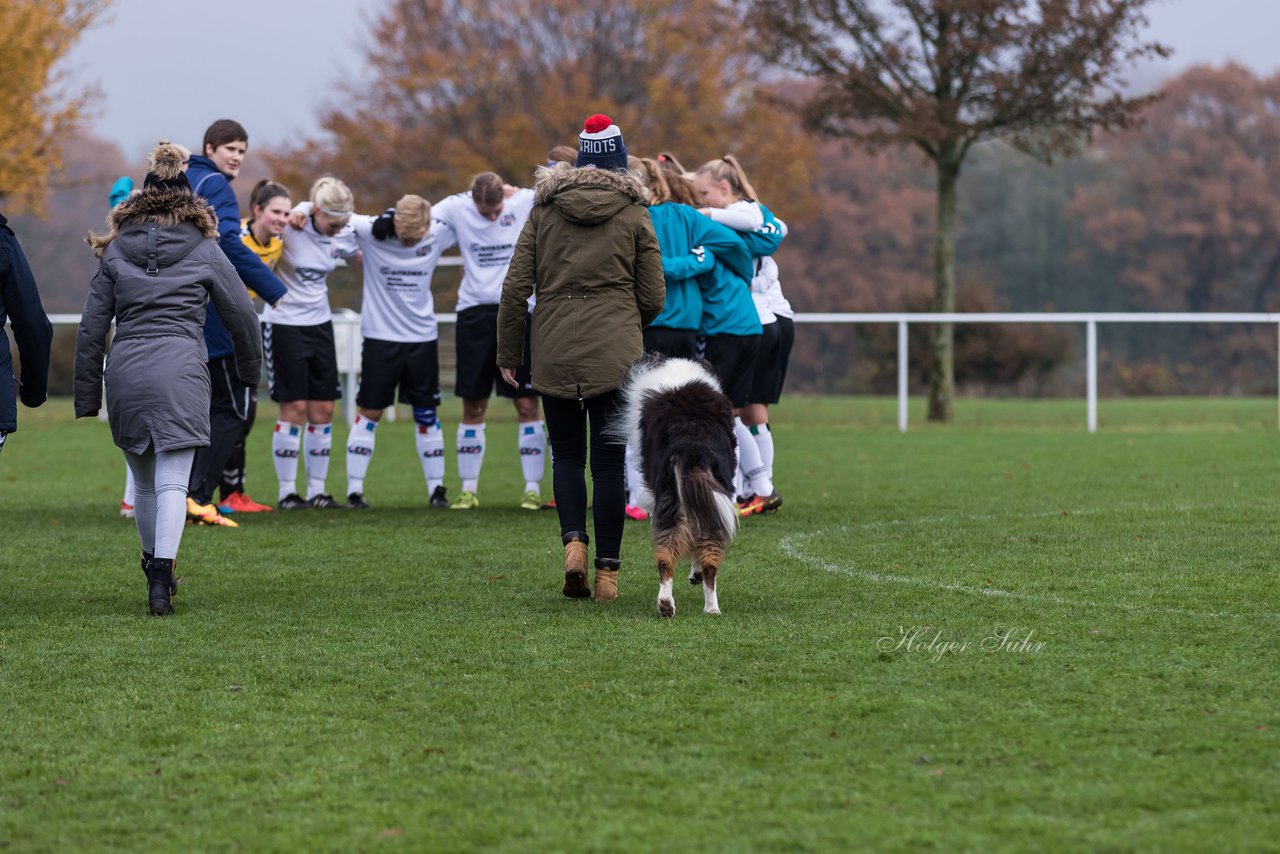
170 67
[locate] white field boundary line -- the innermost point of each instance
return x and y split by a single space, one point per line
793 546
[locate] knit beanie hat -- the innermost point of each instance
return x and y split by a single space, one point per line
600 145
165 173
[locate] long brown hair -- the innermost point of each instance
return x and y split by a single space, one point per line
664 186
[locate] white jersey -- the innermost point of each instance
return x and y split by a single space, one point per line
397 304
487 247
309 257
769 286
742 215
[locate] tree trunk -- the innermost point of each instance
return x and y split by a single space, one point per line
942 375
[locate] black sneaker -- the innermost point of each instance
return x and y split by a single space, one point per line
292 501
438 498
323 501
356 501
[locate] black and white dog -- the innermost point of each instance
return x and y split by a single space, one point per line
679 422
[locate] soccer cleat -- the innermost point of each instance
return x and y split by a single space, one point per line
207 514
323 501
126 510
466 501
438 498
531 501
239 502
636 512
752 506
293 501
549 505
772 503
356 501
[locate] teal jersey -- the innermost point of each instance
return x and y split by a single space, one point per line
681 230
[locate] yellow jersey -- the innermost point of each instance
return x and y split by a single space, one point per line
269 254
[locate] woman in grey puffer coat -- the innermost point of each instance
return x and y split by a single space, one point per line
160 266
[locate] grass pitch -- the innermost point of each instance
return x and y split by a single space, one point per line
1001 634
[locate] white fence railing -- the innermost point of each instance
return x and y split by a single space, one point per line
346 330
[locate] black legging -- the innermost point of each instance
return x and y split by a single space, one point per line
567 432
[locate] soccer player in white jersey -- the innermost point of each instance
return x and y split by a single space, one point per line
297 342
485 224
400 249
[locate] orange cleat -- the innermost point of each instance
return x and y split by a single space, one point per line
240 502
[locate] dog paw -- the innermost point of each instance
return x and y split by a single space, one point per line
712 610
666 608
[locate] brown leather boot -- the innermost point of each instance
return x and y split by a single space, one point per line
575 565
606 579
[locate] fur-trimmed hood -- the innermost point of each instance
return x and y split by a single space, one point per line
184 220
587 195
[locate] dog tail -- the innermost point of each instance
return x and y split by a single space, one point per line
709 509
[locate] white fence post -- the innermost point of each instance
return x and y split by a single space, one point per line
903 363
1091 370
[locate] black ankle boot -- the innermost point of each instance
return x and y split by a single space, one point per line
147 557
161 586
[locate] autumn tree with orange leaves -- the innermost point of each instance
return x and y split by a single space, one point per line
463 86
943 75
36 111
1190 213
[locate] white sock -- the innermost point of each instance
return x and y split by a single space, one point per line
764 441
430 442
755 480
285 443
359 452
533 454
316 447
470 455
635 480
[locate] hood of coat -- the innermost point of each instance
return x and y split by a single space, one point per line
183 219
587 195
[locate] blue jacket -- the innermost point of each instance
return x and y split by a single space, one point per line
20 303
680 228
207 181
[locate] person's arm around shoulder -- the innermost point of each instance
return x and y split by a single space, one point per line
513 307
228 295
91 341
728 245
651 286
32 331
254 275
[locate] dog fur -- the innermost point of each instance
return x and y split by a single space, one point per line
680 424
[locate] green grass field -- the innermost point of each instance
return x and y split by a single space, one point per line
1005 634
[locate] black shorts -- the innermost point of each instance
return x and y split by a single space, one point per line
678 343
302 363
414 367
476 342
733 359
766 382
786 340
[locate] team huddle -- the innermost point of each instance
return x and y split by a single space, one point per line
718 298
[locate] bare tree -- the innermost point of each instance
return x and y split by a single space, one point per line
945 74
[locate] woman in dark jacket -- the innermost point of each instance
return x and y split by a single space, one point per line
160 266
590 256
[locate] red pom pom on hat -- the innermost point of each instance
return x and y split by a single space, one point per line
597 123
